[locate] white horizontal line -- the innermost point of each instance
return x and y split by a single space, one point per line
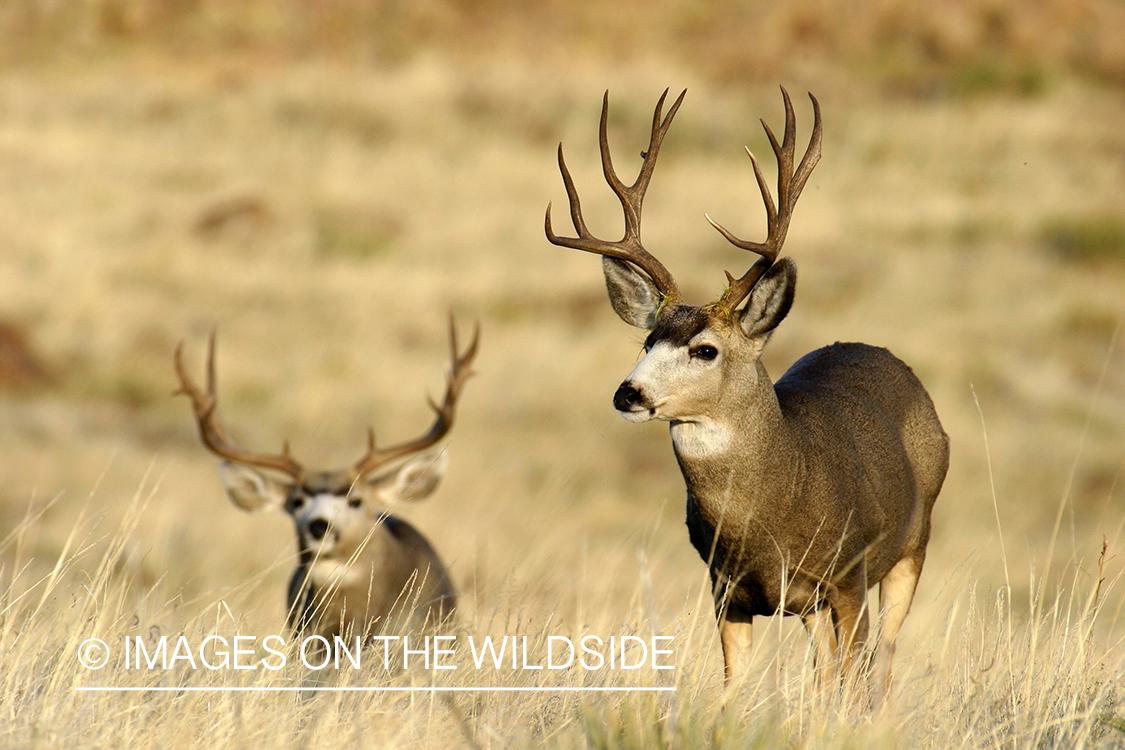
368 689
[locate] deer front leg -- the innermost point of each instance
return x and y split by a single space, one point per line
737 637
735 632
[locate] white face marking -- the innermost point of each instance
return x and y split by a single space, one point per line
345 522
676 383
651 376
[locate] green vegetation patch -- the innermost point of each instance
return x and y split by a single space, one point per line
354 235
1094 238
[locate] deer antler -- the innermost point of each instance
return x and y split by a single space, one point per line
790 182
211 430
629 247
458 374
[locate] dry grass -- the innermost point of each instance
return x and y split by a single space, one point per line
986 673
327 214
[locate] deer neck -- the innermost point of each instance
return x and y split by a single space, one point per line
738 449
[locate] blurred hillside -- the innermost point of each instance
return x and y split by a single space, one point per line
934 48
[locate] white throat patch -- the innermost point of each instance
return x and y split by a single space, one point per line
700 439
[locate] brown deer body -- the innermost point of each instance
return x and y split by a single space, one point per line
804 493
361 570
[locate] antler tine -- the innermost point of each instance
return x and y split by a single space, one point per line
790 183
211 429
459 373
629 247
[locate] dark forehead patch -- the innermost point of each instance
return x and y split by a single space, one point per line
678 326
327 483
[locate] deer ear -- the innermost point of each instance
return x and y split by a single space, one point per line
415 480
770 300
251 490
633 295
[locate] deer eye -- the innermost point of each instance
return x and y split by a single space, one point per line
296 503
354 501
705 352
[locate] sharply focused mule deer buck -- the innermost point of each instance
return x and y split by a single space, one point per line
361 570
801 494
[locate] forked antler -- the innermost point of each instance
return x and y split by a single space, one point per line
211 430
790 182
629 248
459 372
214 434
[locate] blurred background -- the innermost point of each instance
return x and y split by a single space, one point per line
326 182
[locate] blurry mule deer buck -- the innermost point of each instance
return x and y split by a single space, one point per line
801 494
361 569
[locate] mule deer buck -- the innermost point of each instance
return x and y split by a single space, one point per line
361 570
801 494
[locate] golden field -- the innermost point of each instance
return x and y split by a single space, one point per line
327 198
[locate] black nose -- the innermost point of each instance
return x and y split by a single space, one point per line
627 397
318 527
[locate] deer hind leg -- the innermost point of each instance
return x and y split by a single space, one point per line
822 631
896 593
848 601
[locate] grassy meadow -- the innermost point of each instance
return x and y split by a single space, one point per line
326 184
